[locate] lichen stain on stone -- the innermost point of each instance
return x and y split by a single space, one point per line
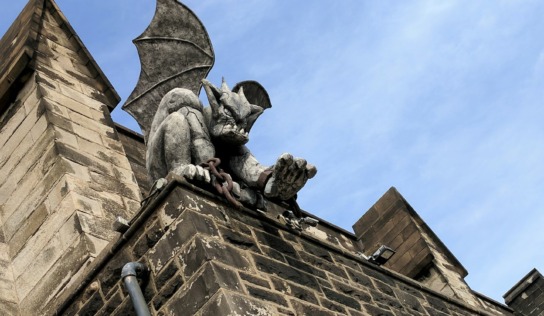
108 158
317 233
61 284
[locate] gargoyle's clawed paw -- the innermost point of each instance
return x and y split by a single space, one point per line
288 177
193 172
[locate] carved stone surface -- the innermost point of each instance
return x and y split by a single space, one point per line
175 51
176 55
183 135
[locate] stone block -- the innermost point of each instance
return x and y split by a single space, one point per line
25 172
27 229
308 268
317 251
333 306
37 268
131 206
167 292
88 134
49 286
239 240
93 305
10 121
182 231
57 119
113 302
78 170
64 136
291 289
374 272
95 245
385 300
98 227
199 289
285 272
102 182
88 205
377 311
226 303
123 175
89 101
39 128
153 232
359 294
411 303
253 279
25 199
73 106
360 278
323 265
23 105
93 163
169 271
9 308
113 144
204 249
266 295
51 30
110 276
7 288
57 193
13 152
90 123
305 309
11 141
36 244
342 299
276 243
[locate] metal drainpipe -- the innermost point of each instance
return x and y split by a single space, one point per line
128 275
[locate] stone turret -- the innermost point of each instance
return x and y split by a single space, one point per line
64 175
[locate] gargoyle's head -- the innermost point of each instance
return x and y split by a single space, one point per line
232 114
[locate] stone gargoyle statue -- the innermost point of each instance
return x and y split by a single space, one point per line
181 135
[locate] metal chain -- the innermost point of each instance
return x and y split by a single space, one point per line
222 180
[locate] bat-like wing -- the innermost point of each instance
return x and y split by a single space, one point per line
175 52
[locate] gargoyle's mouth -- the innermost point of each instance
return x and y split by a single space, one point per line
229 133
228 128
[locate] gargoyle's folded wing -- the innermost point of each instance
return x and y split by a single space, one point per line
175 52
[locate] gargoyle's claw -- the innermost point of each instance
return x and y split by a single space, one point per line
311 171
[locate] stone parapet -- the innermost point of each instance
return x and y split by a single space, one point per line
207 258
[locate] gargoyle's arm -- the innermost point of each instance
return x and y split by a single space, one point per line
246 168
282 180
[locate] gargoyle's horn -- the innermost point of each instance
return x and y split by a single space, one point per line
241 92
224 86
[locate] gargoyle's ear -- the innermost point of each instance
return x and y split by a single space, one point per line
213 94
254 92
257 96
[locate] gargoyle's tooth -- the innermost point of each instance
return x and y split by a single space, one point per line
242 131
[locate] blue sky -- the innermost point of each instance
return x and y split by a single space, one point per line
441 99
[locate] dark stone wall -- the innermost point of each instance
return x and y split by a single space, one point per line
527 297
206 258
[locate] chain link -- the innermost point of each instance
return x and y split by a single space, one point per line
222 181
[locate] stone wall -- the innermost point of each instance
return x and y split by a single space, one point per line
527 296
207 258
64 175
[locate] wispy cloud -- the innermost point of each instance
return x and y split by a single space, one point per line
443 100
